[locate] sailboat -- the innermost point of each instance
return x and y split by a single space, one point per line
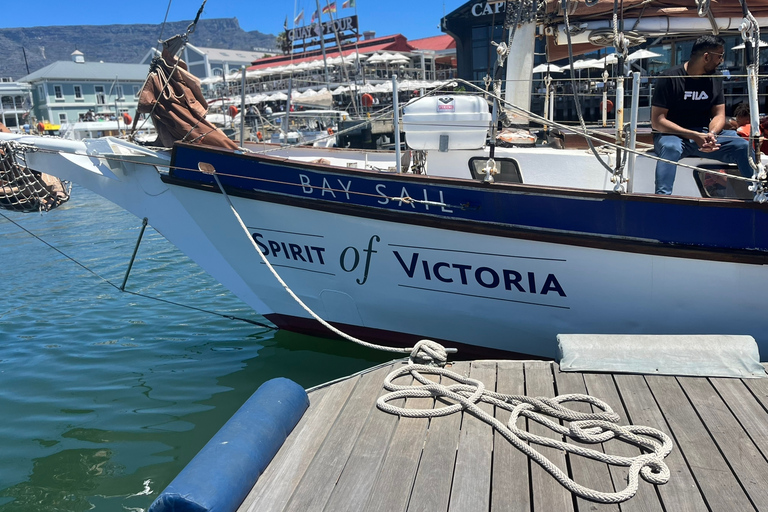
454 239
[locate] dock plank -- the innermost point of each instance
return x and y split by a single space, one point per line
548 494
681 492
323 472
361 470
432 487
392 489
738 394
589 473
602 386
510 491
273 489
745 459
720 488
472 477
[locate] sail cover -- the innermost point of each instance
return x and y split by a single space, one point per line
172 95
726 14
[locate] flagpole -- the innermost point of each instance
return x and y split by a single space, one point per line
341 54
322 44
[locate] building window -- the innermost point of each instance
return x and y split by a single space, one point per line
63 118
101 99
57 92
136 91
41 93
78 92
483 53
119 92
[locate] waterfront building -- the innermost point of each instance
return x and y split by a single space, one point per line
15 104
70 91
214 62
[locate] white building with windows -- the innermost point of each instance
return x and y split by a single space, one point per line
212 62
70 91
15 104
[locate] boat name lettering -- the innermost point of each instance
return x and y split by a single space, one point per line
350 259
487 277
405 198
337 188
290 251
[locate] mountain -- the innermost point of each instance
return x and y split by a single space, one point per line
114 43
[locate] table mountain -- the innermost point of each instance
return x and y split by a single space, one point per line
113 43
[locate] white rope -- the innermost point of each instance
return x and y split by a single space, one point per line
597 427
424 350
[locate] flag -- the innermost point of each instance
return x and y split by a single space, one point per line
298 18
285 25
348 4
329 8
315 15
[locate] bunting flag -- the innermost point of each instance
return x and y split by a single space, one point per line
329 8
348 4
298 18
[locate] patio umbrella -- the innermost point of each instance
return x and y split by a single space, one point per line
763 44
547 68
642 54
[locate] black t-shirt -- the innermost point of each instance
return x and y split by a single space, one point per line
689 99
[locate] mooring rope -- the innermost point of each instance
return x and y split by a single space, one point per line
118 288
596 427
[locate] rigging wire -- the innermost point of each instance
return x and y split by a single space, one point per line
166 301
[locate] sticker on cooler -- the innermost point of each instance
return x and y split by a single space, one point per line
446 104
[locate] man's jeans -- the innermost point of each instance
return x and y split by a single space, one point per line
733 150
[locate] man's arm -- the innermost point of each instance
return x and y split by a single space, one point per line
660 123
717 123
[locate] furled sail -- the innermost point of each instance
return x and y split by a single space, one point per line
172 96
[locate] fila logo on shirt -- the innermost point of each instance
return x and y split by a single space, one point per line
695 95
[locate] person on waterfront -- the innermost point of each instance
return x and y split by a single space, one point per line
688 115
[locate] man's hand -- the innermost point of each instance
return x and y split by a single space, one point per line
707 142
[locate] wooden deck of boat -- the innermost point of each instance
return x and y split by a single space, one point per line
347 455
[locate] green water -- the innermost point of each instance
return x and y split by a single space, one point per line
106 396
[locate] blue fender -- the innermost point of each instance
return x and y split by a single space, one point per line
224 471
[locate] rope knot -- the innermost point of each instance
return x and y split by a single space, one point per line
429 352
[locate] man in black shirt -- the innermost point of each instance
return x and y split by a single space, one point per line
688 115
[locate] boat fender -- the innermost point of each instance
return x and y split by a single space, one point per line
40 127
330 131
232 111
222 474
127 118
609 106
259 136
366 100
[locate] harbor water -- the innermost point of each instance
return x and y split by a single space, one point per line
106 395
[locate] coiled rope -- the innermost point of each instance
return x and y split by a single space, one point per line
596 427
430 356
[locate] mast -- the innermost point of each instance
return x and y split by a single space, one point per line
521 23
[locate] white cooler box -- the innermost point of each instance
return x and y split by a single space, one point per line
446 122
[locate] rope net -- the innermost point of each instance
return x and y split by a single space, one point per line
25 190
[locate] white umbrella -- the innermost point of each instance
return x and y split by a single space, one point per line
741 46
642 54
587 63
376 59
402 59
547 67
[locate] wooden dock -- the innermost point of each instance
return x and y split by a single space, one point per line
347 455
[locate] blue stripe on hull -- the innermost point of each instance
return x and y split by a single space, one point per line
677 222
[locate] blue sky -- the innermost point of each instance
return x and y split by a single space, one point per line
412 18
